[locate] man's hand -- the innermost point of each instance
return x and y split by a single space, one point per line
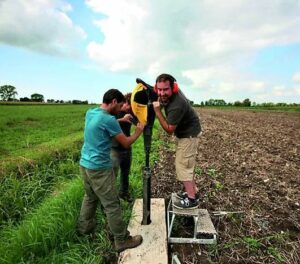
156 106
139 128
162 120
127 141
126 118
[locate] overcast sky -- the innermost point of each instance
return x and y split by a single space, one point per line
76 49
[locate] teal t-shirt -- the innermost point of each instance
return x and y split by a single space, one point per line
100 128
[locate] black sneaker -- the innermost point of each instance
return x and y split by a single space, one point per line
186 203
126 197
182 195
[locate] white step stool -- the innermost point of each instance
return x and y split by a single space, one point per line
204 230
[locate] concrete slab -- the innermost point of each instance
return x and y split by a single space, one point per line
154 249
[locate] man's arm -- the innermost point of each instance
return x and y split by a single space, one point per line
162 120
126 142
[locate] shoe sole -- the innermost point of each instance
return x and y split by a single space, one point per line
188 208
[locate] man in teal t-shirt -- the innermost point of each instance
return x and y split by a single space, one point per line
96 169
100 128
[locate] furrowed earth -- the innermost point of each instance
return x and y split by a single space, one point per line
248 163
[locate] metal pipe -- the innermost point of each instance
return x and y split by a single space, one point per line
147 177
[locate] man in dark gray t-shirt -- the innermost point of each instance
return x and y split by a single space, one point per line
182 120
179 112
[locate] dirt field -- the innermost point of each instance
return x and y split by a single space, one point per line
248 162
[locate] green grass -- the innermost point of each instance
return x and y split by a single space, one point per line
21 194
36 134
28 175
44 153
268 247
50 226
45 193
25 127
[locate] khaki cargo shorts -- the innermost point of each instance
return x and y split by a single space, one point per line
186 152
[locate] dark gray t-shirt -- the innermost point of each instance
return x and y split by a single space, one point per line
179 112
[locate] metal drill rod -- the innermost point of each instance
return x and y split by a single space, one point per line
147 177
146 196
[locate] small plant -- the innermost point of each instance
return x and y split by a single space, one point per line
212 173
198 171
235 218
218 185
252 243
278 238
213 250
274 252
231 244
171 146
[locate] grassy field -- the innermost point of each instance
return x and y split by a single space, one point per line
34 134
41 189
26 127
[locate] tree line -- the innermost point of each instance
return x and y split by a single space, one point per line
244 103
9 92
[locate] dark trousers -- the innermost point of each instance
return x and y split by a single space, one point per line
100 186
122 160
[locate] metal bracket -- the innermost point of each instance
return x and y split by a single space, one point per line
204 231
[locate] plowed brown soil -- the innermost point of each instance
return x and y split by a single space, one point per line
247 162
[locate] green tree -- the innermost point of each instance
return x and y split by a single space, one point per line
7 92
237 103
220 102
24 99
247 102
37 97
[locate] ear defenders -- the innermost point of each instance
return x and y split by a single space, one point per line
170 78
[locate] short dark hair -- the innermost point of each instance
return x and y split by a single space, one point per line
112 94
166 77
128 98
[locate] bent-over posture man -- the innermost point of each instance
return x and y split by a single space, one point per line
121 156
183 121
96 169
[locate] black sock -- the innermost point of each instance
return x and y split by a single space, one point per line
192 199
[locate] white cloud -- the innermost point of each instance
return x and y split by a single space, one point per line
281 91
189 35
202 43
296 77
39 25
297 90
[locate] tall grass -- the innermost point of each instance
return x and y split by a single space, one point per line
47 234
41 154
19 195
52 225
